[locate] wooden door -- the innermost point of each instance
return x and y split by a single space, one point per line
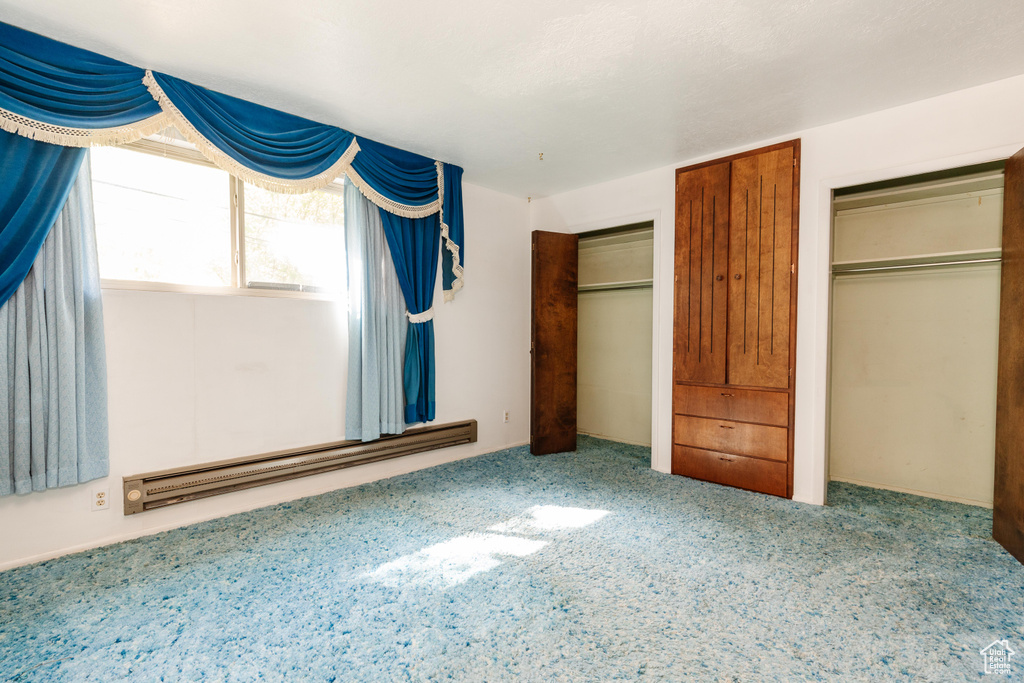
761 267
553 343
1008 500
702 263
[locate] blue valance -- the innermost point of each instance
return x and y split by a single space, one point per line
67 96
56 93
400 180
273 146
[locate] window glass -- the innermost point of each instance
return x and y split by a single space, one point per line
294 241
160 219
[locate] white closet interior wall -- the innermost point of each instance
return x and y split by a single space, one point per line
913 358
615 335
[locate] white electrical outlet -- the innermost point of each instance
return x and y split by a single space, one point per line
506 417
100 499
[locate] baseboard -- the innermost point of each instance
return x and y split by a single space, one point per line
614 438
915 492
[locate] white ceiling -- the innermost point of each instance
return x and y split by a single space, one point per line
603 89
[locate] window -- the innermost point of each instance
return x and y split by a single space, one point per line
166 216
161 219
294 241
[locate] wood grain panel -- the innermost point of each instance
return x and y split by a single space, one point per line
702 249
729 436
752 474
765 407
761 266
553 343
1008 496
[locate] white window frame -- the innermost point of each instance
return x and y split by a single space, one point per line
236 193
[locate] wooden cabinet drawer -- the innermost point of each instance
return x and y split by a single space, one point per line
766 407
752 474
760 441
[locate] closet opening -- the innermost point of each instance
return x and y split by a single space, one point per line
615 333
914 332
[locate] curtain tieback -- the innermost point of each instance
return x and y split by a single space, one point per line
421 317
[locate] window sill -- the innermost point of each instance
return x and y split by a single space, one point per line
140 286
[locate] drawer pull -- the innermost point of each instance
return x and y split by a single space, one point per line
727 395
725 459
726 427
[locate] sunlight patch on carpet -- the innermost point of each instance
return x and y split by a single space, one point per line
452 562
549 518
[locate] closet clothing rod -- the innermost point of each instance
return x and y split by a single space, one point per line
613 286
914 266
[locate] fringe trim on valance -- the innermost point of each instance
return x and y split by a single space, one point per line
389 205
81 137
227 163
457 269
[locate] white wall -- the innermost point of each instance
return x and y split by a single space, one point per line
965 127
194 378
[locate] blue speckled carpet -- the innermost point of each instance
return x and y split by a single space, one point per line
575 567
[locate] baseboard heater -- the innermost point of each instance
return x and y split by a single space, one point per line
169 487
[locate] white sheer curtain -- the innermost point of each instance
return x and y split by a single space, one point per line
53 370
377 326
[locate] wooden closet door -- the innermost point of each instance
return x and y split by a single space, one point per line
761 269
702 253
553 343
1008 501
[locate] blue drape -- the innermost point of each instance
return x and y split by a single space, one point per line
452 215
53 373
49 81
35 179
377 326
414 244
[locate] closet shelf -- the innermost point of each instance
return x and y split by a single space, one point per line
611 286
